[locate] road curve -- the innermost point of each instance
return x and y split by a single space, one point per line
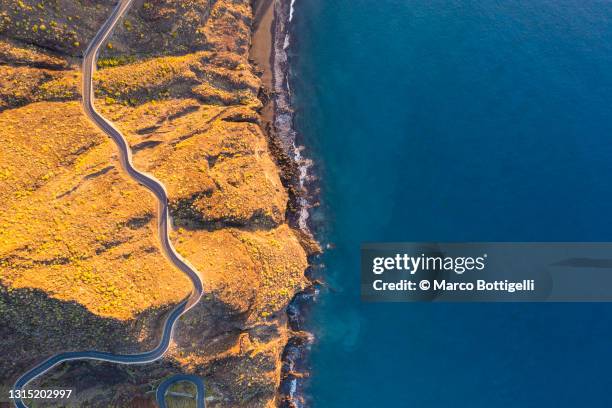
158 190
160 395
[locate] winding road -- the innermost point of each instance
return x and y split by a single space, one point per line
163 389
159 191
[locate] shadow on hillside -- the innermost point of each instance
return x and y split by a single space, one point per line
35 326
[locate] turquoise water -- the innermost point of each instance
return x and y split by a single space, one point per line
456 120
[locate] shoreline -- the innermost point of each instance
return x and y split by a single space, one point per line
270 41
261 54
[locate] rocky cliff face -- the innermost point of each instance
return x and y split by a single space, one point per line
80 266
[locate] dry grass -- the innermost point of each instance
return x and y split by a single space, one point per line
71 221
78 247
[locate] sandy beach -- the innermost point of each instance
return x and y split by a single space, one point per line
261 50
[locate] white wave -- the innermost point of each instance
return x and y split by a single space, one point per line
303 166
291 10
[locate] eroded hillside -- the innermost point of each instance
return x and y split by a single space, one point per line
80 265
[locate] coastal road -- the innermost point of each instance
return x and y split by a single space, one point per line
160 193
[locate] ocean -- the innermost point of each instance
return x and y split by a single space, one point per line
449 120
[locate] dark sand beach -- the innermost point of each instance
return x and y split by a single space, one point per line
261 49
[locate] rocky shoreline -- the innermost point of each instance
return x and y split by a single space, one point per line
272 25
300 185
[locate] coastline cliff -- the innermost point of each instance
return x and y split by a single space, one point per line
79 264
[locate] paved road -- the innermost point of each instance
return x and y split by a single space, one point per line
158 190
197 381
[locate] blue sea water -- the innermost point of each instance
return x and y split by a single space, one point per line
452 120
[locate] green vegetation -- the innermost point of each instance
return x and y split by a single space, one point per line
117 61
